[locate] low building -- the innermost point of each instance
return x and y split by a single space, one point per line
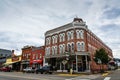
26 55
32 56
37 56
4 54
73 46
14 62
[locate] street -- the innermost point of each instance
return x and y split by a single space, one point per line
114 75
30 76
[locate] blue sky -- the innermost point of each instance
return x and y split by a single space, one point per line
24 22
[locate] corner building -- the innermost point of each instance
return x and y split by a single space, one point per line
73 46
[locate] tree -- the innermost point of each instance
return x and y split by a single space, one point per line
101 57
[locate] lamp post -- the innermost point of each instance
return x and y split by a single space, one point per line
99 62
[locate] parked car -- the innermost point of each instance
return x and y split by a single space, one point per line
5 69
45 69
29 70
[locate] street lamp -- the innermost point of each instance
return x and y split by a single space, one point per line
99 62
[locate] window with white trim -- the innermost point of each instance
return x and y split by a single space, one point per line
78 46
80 34
47 51
82 46
68 35
53 39
56 38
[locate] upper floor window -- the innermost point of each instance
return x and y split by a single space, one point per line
54 39
62 37
80 46
80 34
61 48
48 41
40 56
47 51
70 35
70 47
33 56
54 50
36 56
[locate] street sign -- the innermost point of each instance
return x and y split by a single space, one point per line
64 62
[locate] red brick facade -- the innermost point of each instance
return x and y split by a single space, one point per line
32 56
76 39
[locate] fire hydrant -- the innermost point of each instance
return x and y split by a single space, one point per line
71 71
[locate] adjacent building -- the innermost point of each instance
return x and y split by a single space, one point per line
73 46
37 56
4 54
32 56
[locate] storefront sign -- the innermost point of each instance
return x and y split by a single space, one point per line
15 58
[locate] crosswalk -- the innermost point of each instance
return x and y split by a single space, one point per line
77 79
107 78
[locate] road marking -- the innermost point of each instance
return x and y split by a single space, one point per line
76 79
107 78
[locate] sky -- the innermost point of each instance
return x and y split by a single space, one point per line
24 22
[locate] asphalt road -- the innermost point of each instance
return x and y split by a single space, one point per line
114 75
30 76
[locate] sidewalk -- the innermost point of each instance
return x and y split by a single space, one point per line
83 75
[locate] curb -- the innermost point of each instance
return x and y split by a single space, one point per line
106 74
70 74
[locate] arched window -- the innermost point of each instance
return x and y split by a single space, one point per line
60 49
56 38
53 50
78 46
69 48
72 47
72 34
63 36
63 48
80 34
69 35
82 46
47 51
53 39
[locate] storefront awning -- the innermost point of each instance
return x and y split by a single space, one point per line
111 62
36 61
8 63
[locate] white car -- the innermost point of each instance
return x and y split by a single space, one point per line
29 70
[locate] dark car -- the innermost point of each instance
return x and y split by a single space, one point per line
45 69
5 69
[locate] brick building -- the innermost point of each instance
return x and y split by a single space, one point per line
73 45
26 53
37 55
32 56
